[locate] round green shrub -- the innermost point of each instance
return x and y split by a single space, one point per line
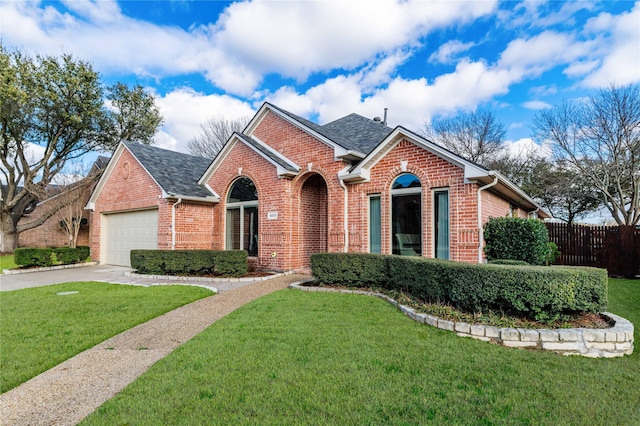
515 238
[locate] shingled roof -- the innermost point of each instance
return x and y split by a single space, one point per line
175 172
353 132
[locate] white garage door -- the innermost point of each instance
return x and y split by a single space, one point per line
123 232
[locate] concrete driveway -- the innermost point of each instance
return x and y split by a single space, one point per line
30 279
113 274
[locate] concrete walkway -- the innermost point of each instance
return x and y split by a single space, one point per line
67 393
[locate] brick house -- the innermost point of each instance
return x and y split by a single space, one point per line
51 232
287 188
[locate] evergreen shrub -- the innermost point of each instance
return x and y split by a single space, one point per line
539 292
351 269
233 263
33 256
515 238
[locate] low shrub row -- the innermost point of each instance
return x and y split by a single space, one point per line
543 293
230 263
36 256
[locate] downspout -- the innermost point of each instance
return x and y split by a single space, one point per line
173 223
346 216
480 235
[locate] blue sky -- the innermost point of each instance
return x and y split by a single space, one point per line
323 59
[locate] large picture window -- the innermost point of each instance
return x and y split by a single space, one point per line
406 215
242 217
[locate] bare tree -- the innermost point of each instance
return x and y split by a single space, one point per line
600 138
69 198
214 133
477 136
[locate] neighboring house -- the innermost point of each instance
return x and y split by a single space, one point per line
51 232
287 188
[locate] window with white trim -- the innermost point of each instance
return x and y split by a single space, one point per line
242 217
406 215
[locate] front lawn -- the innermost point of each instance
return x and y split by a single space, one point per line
321 358
7 262
41 329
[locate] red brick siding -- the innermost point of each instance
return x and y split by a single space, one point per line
313 217
194 226
129 187
49 234
281 241
434 173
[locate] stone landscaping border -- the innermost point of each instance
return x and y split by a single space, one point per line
615 341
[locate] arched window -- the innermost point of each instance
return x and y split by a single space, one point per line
406 215
242 217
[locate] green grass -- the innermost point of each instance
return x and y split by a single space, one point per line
7 262
41 329
321 358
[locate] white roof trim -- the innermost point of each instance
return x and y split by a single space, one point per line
216 162
233 140
280 170
362 170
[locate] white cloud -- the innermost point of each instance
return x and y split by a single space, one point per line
536 105
620 61
526 145
581 68
249 40
184 110
95 11
544 90
448 52
530 57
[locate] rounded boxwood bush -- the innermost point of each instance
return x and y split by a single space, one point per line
515 238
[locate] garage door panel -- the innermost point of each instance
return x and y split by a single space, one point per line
128 231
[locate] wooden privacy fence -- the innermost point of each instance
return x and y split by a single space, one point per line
615 248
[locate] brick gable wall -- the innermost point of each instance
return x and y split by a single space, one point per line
434 173
129 187
284 243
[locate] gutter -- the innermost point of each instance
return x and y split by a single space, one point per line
346 216
173 223
480 235
208 199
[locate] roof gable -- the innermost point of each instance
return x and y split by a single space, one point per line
360 172
175 173
284 167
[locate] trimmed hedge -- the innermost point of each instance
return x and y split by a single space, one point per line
36 256
517 239
33 256
538 292
68 255
232 263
